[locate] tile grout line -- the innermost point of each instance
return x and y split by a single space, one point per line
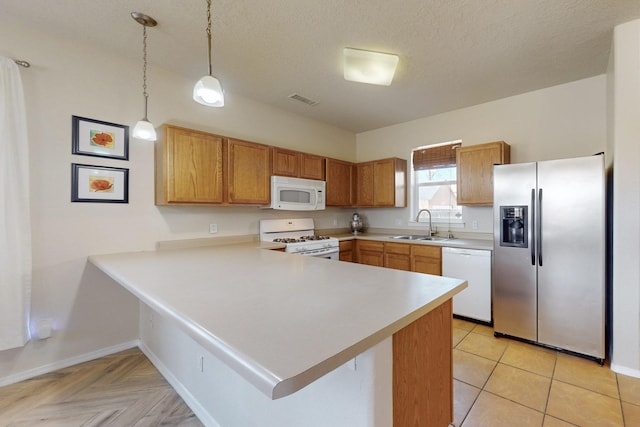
553 374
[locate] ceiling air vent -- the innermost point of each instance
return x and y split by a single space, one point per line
303 99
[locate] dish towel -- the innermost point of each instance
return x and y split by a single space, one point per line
15 227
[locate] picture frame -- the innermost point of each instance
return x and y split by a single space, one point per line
99 184
96 138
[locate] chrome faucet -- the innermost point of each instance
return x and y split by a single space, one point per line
418 219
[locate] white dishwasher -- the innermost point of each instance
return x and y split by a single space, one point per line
474 266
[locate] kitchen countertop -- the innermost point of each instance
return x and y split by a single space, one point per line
279 320
453 243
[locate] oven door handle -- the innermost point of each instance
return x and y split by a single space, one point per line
321 252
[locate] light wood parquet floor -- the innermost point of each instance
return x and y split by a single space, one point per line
123 389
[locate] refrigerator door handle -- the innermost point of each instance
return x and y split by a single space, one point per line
540 227
532 244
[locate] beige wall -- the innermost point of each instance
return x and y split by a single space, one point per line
557 122
90 312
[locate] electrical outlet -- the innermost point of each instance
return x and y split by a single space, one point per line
335 222
213 228
474 224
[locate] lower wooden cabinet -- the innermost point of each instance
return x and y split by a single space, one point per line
426 259
346 250
397 256
370 252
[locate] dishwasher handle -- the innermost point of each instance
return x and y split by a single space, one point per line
466 252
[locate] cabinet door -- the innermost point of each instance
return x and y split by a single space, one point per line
364 184
397 256
286 162
384 184
248 173
346 250
339 177
370 252
381 183
474 165
426 259
311 166
188 167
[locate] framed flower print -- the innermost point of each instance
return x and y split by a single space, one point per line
92 137
100 184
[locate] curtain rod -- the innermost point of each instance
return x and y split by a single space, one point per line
22 63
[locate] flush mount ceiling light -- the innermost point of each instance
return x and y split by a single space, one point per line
365 66
208 90
144 129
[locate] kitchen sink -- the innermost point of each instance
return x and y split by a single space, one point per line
419 237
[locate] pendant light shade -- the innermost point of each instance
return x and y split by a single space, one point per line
144 129
208 90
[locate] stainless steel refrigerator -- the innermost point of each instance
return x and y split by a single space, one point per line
549 259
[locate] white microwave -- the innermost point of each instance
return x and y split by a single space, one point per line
297 194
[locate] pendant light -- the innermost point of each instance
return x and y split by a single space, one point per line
144 129
208 90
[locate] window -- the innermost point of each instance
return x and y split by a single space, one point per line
434 181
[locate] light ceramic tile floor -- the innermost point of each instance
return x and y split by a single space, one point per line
502 382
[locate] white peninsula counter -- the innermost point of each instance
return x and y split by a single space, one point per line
279 322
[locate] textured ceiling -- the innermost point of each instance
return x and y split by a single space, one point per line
453 53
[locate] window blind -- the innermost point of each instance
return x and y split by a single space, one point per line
441 156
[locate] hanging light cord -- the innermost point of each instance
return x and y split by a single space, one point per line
209 33
144 70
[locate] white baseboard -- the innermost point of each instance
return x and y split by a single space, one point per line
203 415
625 371
41 370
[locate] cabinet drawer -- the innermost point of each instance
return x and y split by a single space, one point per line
369 245
397 248
426 251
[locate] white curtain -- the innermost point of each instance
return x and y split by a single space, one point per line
15 229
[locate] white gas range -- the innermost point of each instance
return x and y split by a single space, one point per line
298 235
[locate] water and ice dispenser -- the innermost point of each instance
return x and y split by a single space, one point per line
513 227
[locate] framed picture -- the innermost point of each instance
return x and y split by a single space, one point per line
101 139
100 184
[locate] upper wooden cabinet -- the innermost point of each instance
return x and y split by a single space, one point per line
297 164
311 166
286 162
475 171
339 177
248 173
188 167
364 184
381 183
